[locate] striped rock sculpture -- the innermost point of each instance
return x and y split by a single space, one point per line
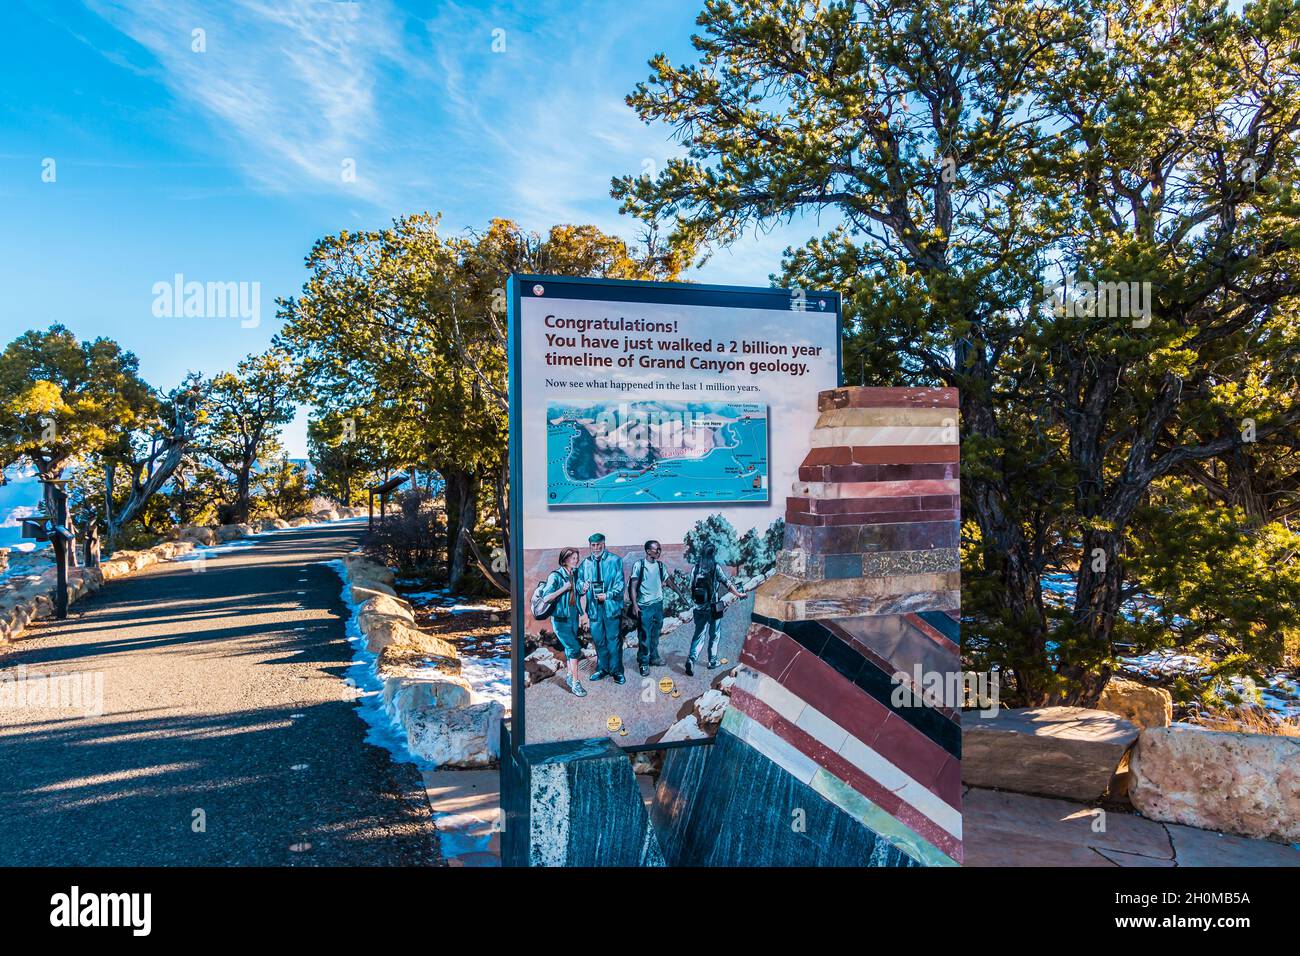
834 749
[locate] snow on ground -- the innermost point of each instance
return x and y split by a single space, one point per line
382 731
202 552
1280 693
489 677
485 664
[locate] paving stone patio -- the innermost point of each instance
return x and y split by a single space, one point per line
1015 829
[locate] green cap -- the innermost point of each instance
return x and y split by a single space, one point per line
596 537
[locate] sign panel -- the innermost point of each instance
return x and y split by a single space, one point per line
655 431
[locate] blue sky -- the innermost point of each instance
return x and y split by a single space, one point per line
224 165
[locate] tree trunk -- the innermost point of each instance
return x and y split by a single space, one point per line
1007 555
1098 592
1242 487
242 486
462 516
141 492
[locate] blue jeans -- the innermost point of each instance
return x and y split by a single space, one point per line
609 644
652 624
704 618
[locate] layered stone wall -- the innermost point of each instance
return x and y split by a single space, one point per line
825 720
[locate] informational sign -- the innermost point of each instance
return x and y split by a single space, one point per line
655 431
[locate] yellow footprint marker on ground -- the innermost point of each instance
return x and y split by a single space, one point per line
724 661
614 722
666 685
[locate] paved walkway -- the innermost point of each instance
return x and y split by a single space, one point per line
227 735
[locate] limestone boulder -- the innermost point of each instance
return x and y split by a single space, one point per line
271 524
398 645
366 573
230 532
1137 703
405 694
128 561
1248 784
197 534
456 736
363 593
1067 752
709 708
382 606
111 570
299 522
541 664
688 728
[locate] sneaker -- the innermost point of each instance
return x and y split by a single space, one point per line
690 671
645 670
597 675
620 679
657 662
714 665
575 685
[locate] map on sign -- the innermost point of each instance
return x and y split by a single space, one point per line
655 453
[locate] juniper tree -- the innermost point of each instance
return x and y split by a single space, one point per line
973 153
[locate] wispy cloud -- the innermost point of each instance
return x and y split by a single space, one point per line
291 84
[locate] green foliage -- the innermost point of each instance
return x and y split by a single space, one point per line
346 454
715 530
1223 587
401 330
971 154
62 399
280 491
246 409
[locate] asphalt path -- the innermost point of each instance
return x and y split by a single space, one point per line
228 735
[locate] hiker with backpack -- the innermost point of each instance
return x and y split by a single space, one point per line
706 577
646 591
556 599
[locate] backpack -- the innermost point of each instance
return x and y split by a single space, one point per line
541 609
638 570
702 585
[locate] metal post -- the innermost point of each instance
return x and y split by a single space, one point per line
61 548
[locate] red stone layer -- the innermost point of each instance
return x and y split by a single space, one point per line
800 671
861 518
848 773
881 455
869 397
871 506
938 471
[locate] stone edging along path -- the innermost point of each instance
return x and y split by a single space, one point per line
34 601
427 701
